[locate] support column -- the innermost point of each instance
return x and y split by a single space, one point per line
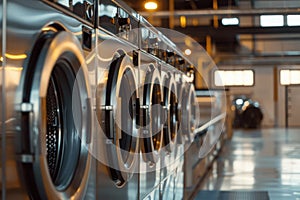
171 17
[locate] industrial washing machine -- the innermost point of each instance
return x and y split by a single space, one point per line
169 133
117 102
95 103
118 148
177 93
45 145
187 125
151 125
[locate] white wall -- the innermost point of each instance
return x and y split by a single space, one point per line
294 102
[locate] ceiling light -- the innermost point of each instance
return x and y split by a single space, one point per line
151 5
183 21
187 52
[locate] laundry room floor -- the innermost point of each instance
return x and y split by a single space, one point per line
256 164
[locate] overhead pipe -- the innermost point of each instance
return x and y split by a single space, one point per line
225 12
198 31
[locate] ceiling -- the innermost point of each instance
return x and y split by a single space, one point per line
248 40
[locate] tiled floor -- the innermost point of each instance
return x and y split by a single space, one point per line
259 160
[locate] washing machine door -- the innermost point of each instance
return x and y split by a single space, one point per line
118 119
188 112
170 112
52 147
180 87
151 116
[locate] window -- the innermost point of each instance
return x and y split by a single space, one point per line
271 20
234 78
290 77
230 21
293 20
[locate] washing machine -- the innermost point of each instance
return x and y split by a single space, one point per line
168 161
45 144
177 118
117 103
188 121
87 111
189 115
151 126
179 150
118 142
180 83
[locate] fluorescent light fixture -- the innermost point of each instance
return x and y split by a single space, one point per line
271 20
230 21
293 20
290 77
234 77
151 5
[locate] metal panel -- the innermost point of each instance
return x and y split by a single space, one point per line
3 99
233 195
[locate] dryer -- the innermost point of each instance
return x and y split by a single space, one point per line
45 143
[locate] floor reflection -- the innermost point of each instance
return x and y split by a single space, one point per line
259 160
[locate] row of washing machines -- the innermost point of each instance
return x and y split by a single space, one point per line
95 103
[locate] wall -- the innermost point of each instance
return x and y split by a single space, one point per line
264 92
293 102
